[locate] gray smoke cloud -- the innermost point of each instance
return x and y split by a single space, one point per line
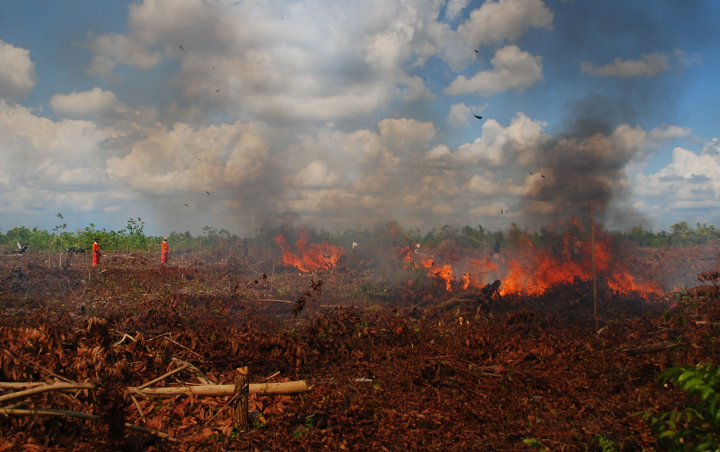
586 166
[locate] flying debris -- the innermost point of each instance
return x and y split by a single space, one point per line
476 51
543 176
208 193
531 173
478 117
181 48
186 204
217 90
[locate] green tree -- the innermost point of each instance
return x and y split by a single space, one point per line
680 232
134 232
58 232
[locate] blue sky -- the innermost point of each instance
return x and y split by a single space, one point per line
189 113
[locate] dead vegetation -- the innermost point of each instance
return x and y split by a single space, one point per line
85 354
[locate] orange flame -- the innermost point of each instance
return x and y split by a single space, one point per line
310 256
466 281
533 271
444 272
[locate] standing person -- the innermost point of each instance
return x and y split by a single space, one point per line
164 251
96 253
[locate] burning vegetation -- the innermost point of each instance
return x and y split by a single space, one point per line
454 340
524 266
309 256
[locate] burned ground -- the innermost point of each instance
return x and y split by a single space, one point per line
395 363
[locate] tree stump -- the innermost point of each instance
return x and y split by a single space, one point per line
242 389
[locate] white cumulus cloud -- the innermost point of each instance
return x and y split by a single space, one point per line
513 69
498 21
95 102
17 71
647 66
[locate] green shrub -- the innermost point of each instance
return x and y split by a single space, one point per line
696 426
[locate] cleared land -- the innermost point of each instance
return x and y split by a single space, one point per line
394 360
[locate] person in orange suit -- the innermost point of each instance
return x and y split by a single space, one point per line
164 251
96 253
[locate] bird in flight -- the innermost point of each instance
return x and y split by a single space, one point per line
208 193
186 204
181 48
478 117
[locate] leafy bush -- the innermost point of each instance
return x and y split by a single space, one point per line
697 426
606 444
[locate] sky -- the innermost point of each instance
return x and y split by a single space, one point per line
343 115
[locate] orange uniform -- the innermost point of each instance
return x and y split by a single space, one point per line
164 252
96 253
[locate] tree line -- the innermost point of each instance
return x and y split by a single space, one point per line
132 237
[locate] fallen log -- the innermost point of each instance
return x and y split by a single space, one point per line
649 348
286 387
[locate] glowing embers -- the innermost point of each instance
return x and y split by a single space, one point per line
309 256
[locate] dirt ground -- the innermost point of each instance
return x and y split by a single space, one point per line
394 362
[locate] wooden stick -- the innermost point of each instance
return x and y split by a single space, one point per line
151 431
182 346
162 377
284 387
45 388
19 384
649 348
200 376
125 336
287 387
276 300
272 376
23 411
137 405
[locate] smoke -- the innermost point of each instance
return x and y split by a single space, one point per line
615 92
585 166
